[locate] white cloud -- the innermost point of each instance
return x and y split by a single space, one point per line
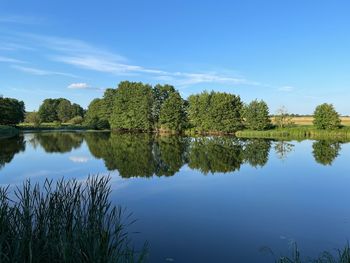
41 72
10 60
286 88
79 85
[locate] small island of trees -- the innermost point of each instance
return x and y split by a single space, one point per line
135 106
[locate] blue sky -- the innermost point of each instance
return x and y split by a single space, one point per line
292 53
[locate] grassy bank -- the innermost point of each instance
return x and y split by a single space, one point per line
67 221
50 126
298 133
7 131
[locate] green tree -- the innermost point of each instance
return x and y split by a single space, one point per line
172 114
77 110
256 115
160 94
48 110
133 107
64 110
215 111
326 117
325 152
12 111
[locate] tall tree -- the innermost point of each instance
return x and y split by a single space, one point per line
172 114
256 115
133 107
215 111
326 117
160 94
11 111
64 110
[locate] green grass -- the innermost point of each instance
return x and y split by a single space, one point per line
67 221
7 131
298 133
51 126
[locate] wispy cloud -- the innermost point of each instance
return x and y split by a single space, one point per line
82 86
41 72
79 159
286 88
82 55
11 60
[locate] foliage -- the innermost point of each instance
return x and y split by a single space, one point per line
66 221
256 115
8 131
76 120
325 152
133 107
59 110
160 94
215 111
326 117
11 111
282 118
172 113
33 118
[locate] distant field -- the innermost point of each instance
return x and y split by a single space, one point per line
308 120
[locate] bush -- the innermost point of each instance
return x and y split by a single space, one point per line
64 222
33 118
326 117
76 120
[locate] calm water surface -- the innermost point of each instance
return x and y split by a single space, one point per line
213 199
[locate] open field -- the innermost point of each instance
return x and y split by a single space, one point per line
308 120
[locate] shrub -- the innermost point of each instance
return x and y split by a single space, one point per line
326 117
76 120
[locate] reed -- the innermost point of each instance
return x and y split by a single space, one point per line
66 221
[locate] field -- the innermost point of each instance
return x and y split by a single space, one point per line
308 120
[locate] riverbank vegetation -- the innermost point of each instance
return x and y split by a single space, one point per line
135 106
66 221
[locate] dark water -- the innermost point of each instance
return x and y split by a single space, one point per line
213 199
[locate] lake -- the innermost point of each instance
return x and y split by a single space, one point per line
204 199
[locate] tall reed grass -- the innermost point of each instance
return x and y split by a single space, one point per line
66 221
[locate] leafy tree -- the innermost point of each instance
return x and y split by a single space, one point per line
326 117
133 107
215 111
282 118
64 110
77 111
93 113
160 94
48 110
256 115
325 152
172 113
11 111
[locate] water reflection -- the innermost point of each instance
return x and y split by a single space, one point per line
57 142
9 148
325 152
146 155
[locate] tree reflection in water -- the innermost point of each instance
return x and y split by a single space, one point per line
325 152
9 148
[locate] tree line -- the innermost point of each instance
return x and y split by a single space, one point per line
140 107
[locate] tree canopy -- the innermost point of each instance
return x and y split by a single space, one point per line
326 117
256 115
172 113
12 111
